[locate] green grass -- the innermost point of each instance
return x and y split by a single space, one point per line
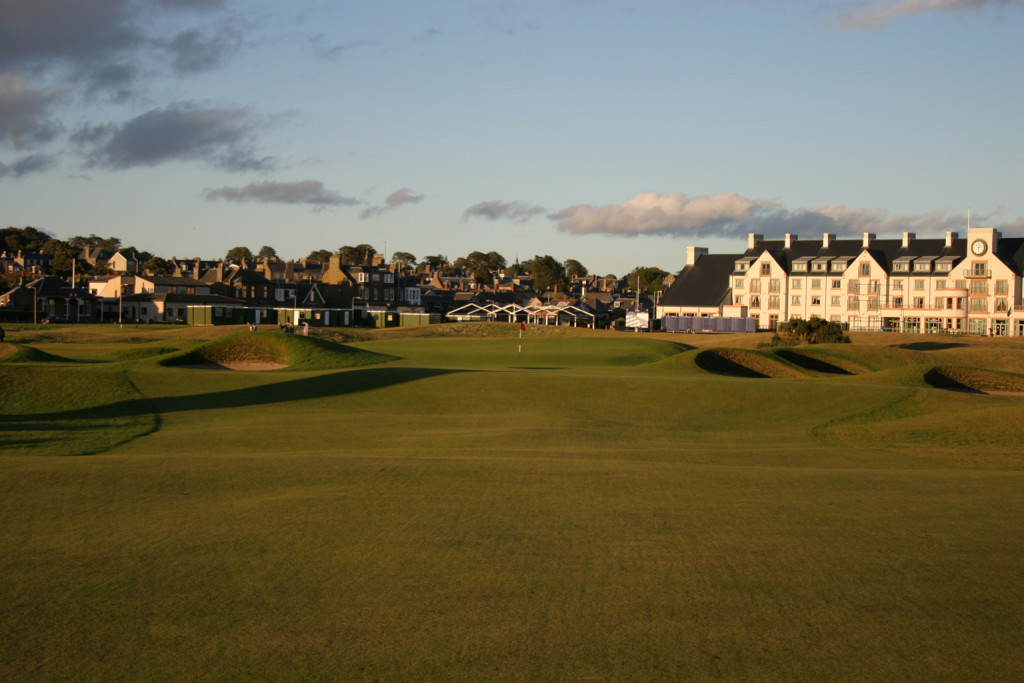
596 507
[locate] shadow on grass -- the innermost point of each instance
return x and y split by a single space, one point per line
939 379
809 363
930 346
320 386
716 362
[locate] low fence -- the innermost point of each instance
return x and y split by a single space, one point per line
695 324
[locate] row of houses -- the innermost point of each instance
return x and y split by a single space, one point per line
202 292
970 285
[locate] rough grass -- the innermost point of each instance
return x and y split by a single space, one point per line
974 379
597 508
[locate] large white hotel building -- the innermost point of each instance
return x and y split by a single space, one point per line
966 285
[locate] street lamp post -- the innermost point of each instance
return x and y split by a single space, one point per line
35 303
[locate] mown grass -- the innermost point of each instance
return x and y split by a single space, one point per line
597 508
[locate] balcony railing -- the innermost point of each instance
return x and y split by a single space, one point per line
977 273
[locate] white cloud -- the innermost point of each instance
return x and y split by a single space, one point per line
392 202
731 215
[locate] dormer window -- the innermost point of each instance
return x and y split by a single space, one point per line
766 269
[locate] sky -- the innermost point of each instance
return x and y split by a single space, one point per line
612 132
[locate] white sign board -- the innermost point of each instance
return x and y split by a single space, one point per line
637 319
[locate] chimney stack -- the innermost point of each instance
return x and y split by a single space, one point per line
753 239
790 238
908 237
950 236
694 253
869 237
826 240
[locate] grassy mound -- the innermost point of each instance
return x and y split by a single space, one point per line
70 411
737 363
976 380
294 351
16 353
141 352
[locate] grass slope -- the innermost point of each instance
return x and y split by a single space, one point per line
597 507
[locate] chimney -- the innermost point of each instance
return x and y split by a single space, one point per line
790 238
908 237
869 237
694 253
826 240
950 236
753 239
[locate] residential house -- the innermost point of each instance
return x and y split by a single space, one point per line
51 296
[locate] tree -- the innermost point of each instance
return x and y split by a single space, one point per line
158 266
266 252
404 259
574 268
320 256
812 331
64 254
438 262
24 239
483 276
238 254
496 261
548 273
650 279
358 255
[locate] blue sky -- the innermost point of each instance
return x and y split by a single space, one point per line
615 133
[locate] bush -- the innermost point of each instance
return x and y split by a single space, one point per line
811 331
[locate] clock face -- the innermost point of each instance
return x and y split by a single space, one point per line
978 247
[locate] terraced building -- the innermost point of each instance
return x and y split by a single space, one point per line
969 285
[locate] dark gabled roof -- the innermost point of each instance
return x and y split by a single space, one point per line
1010 251
885 251
705 283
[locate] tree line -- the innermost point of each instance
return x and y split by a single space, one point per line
548 273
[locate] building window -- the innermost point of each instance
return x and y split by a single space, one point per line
942 267
865 269
836 301
815 284
897 302
819 266
873 303
1001 305
773 285
766 269
800 267
838 265
961 284
1001 287
815 300
918 284
854 287
897 284
918 302
773 301
922 266
755 285
979 305
755 302
979 269
837 284
798 283
389 277
795 301
940 284
739 283
900 267
738 300
853 304
979 286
